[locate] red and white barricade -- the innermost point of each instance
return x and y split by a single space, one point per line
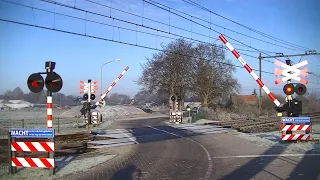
289 132
32 147
23 141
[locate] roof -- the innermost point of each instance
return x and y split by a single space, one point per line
248 99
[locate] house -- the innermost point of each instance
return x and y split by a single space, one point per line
192 102
247 99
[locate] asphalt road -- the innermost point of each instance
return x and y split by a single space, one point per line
166 152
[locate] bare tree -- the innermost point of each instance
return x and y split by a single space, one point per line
169 71
213 75
17 93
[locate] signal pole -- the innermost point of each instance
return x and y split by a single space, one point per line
89 102
289 97
260 101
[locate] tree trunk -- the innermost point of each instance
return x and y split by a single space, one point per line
205 101
170 94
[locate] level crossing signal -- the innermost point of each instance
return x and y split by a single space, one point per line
299 89
35 83
86 96
173 98
53 82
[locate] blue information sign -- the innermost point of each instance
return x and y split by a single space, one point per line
31 133
295 120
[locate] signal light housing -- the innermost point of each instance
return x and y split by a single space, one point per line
35 83
300 89
289 89
92 96
179 98
295 108
53 82
85 97
173 98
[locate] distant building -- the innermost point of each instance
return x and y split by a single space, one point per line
246 99
192 102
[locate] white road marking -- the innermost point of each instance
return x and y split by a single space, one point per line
265 155
128 136
210 165
69 158
60 158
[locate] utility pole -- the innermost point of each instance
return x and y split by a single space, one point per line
89 103
289 97
260 97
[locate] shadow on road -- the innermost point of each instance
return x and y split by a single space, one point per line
126 173
253 167
160 133
307 168
61 163
271 137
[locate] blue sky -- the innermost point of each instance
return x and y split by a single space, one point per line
24 49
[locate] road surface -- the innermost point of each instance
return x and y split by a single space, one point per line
178 152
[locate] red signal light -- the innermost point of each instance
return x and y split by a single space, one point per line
35 83
301 89
53 82
288 89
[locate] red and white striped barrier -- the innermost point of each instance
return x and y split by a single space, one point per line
285 136
252 73
301 127
111 86
32 146
49 111
295 137
32 162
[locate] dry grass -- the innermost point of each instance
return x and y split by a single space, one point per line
245 111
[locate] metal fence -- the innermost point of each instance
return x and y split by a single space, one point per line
6 124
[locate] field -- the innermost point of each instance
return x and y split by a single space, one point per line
64 121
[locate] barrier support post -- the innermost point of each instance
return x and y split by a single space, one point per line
49 121
13 170
51 155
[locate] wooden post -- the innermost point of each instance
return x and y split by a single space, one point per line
23 125
52 155
13 170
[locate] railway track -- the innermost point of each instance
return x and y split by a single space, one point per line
261 124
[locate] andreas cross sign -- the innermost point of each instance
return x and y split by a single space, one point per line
291 72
